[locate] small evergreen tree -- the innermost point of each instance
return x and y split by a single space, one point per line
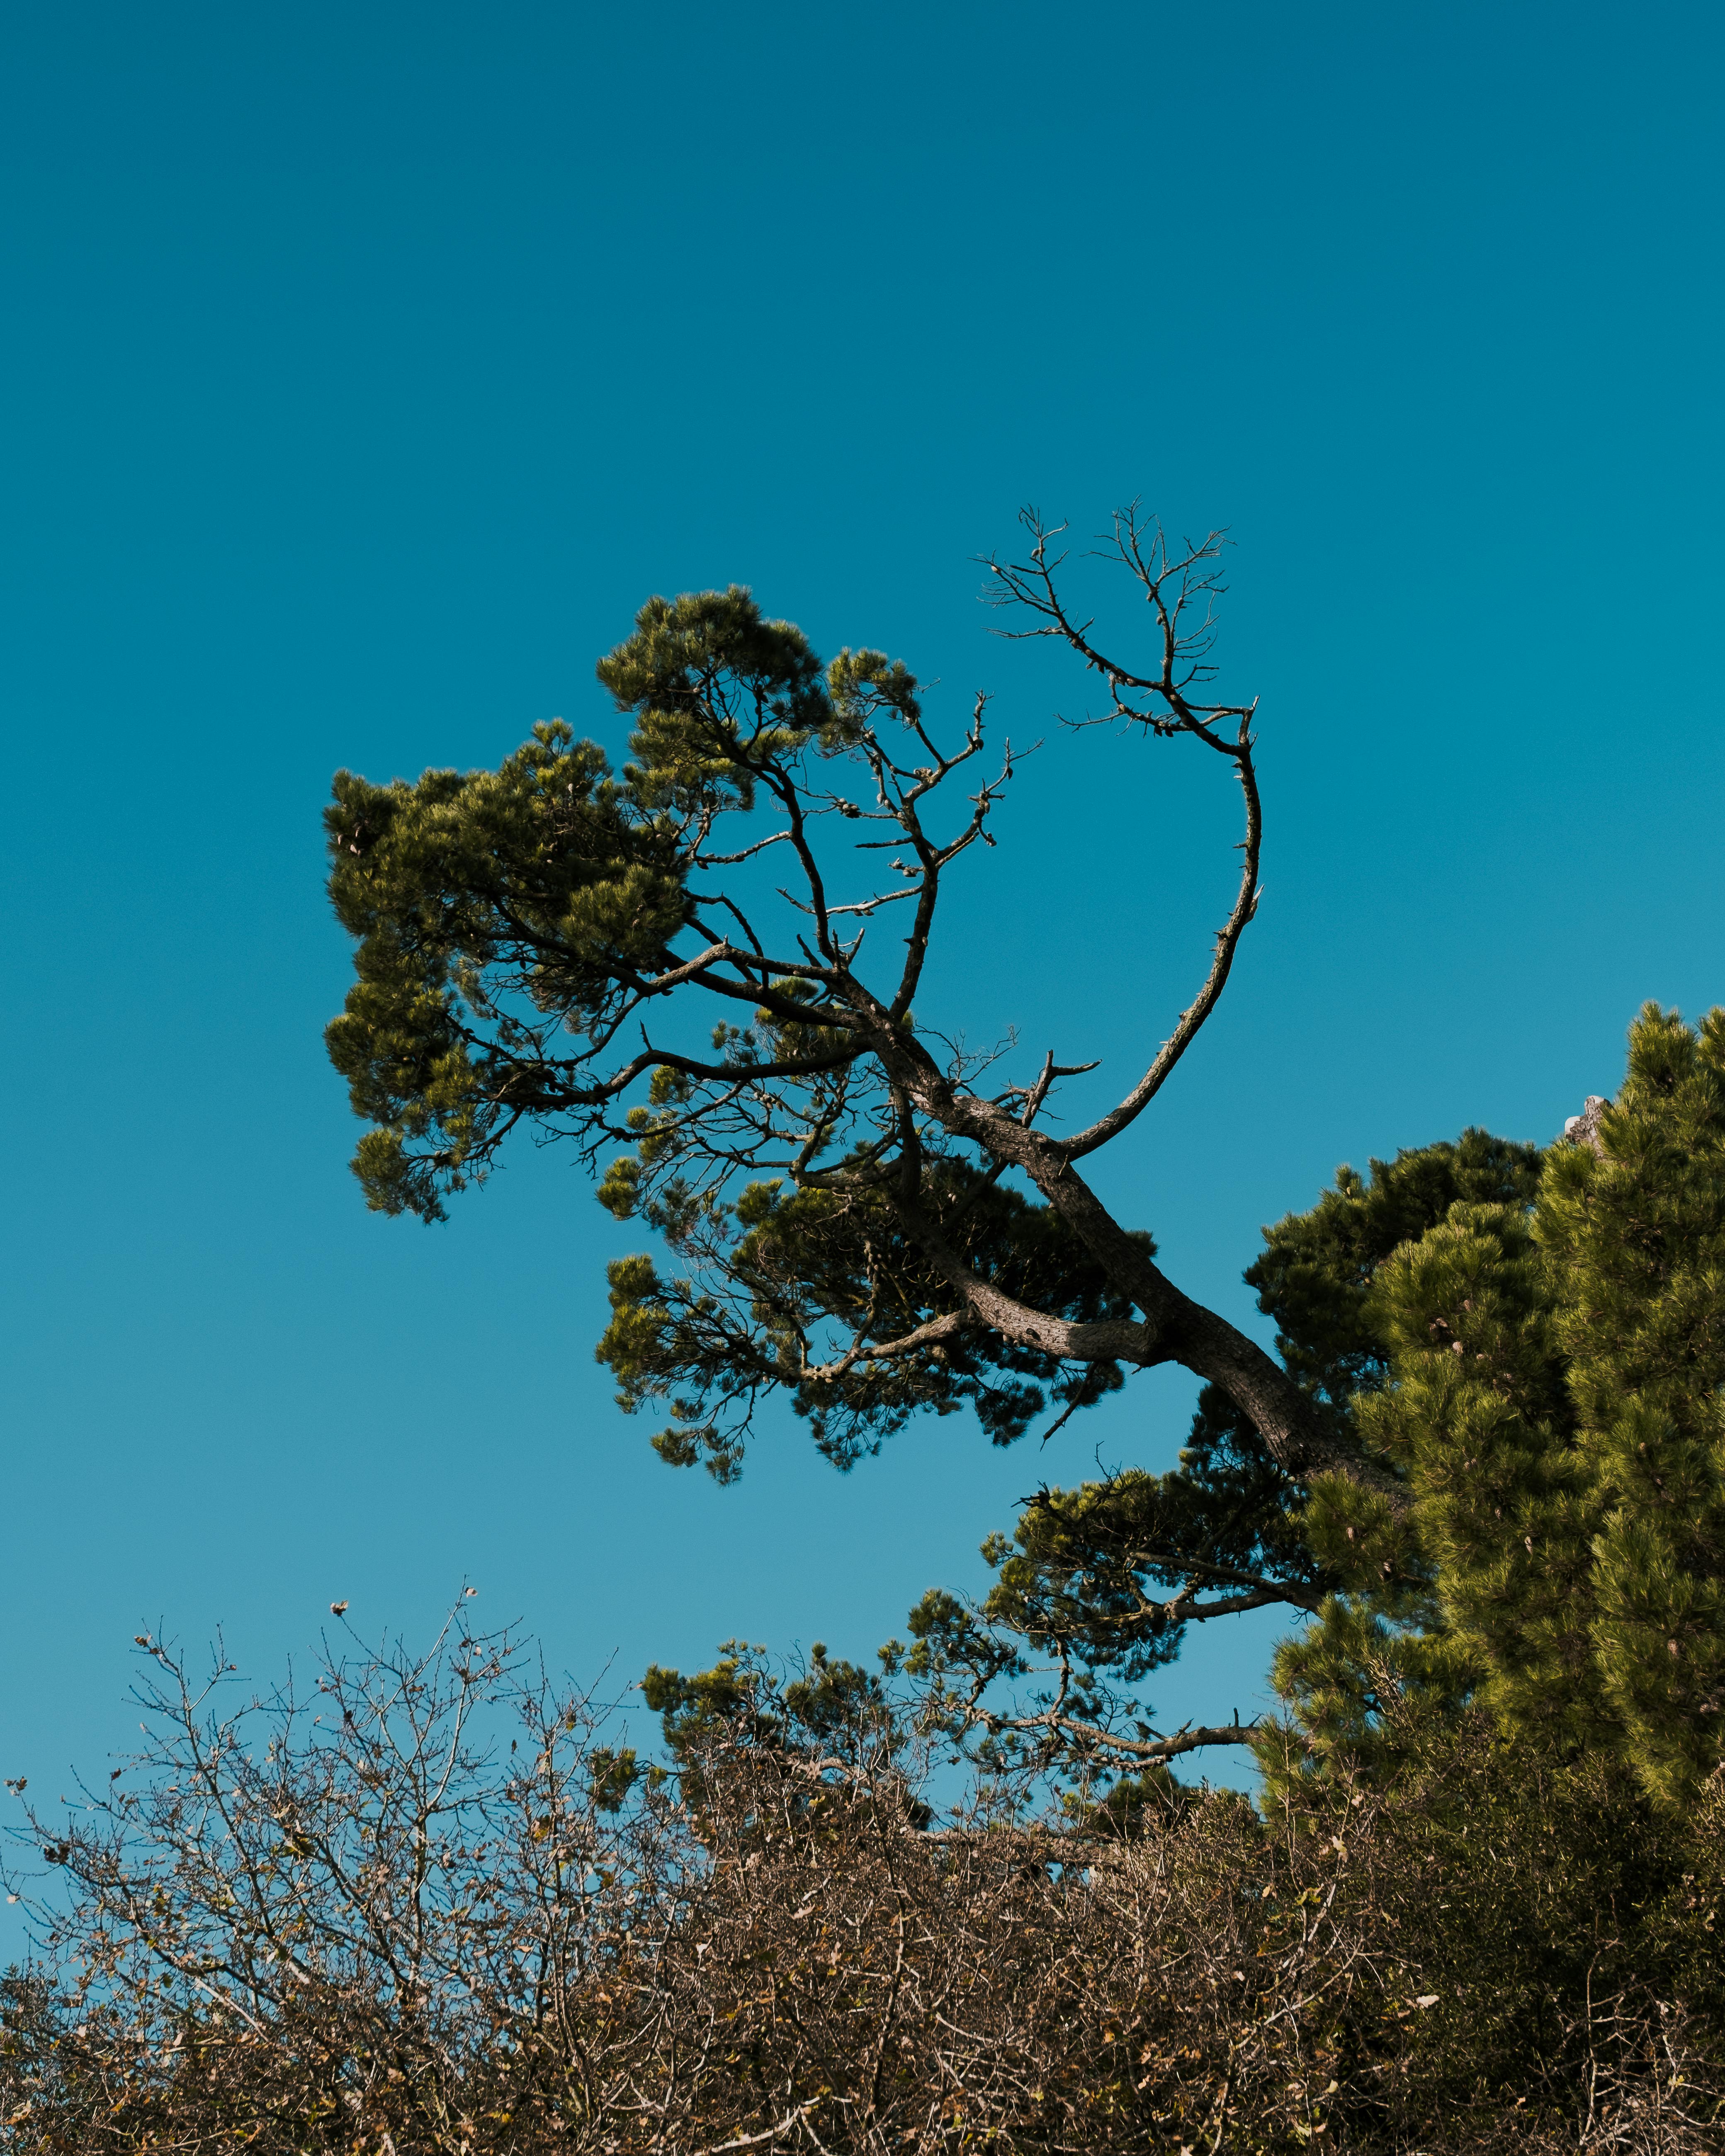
1551 1391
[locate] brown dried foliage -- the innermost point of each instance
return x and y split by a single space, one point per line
795 1964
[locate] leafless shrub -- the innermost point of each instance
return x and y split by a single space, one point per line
352 1916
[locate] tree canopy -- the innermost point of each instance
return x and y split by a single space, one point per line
831 1179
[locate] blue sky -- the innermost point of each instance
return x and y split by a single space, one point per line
366 367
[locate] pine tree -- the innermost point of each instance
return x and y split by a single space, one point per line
1486 1465
1550 1390
859 1220
1635 1234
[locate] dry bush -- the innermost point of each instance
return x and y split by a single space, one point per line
421 1908
1207 1983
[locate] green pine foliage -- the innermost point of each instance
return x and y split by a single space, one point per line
713 1340
1546 1376
1635 1238
511 926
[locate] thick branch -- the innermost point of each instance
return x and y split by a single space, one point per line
1175 1329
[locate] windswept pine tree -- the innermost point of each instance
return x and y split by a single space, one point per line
666 967
1483 1472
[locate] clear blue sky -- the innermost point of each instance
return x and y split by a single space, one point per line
365 367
